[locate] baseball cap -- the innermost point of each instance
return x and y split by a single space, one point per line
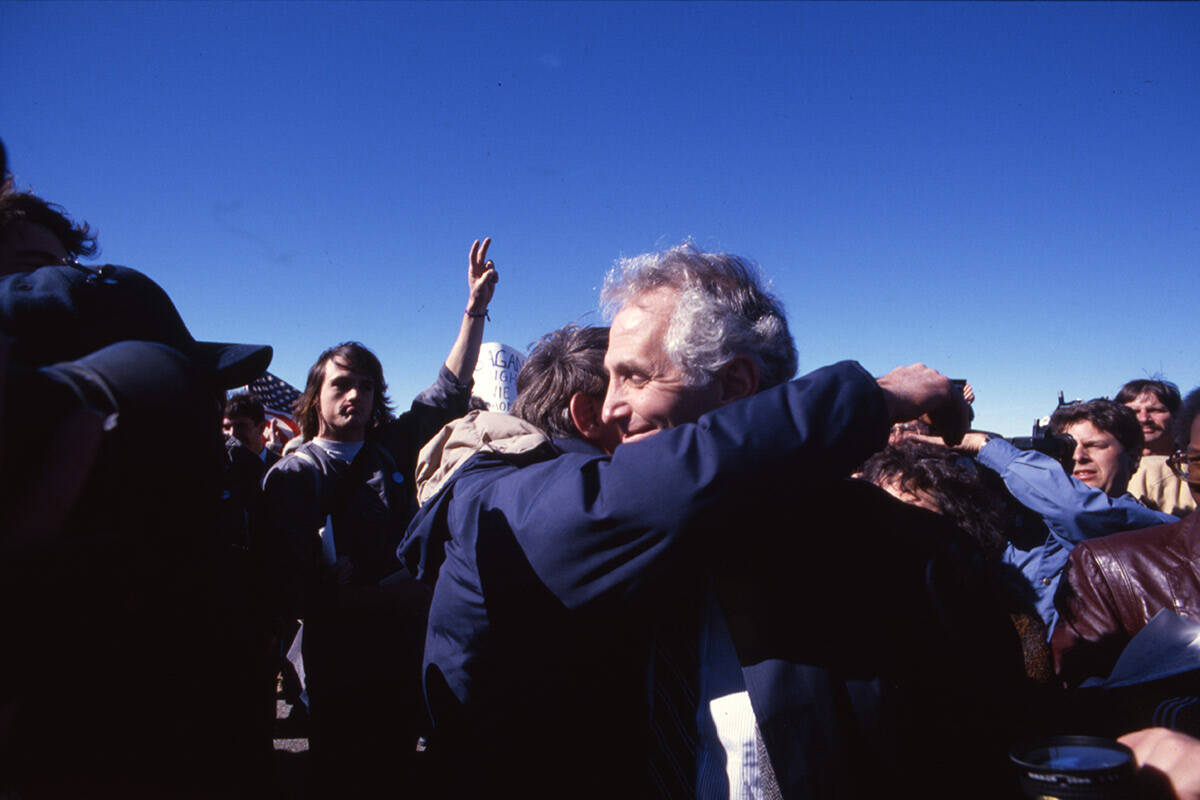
64 312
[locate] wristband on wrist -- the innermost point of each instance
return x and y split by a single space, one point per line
478 314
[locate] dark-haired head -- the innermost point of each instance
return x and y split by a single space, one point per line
561 388
1108 442
245 405
1155 403
561 363
352 356
34 233
1166 392
933 477
1107 415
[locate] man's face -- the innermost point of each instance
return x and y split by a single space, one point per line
646 390
1100 460
245 431
347 398
1155 420
27 246
1193 454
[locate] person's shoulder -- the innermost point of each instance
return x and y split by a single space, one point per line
1117 544
296 465
516 478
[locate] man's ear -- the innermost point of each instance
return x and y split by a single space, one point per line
737 379
585 415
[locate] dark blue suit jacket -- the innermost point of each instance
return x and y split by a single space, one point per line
552 569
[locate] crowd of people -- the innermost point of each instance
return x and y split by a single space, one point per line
672 569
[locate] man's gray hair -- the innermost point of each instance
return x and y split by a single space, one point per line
723 311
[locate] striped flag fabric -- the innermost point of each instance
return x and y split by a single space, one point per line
277 396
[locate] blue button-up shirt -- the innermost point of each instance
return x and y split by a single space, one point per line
1072 511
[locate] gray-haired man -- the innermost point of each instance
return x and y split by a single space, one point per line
554 574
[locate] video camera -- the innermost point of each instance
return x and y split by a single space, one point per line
1059 446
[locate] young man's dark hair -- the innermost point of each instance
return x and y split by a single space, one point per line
21 208
353 356
245 405
938 479
1107 415
563 362
1166 392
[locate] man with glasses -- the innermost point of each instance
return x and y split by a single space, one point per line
1114 586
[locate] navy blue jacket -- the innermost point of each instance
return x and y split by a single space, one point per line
552 568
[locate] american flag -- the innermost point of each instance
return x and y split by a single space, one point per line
277 396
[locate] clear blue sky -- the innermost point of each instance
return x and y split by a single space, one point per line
1007 192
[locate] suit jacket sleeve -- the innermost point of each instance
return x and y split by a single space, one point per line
596 527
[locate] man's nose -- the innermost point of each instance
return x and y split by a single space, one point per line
614 406
1081 454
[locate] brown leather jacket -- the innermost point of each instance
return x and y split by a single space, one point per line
1114 585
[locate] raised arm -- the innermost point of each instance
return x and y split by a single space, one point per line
481 281
1073 511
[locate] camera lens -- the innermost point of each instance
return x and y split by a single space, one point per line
1076 768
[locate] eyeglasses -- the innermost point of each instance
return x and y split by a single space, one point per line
1187 466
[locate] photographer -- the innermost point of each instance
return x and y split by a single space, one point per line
1089 502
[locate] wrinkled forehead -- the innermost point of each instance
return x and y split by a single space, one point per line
640 328
658 302
1148 399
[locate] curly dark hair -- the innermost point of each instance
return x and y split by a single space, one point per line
354 356
951 481
21 207
1107 415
